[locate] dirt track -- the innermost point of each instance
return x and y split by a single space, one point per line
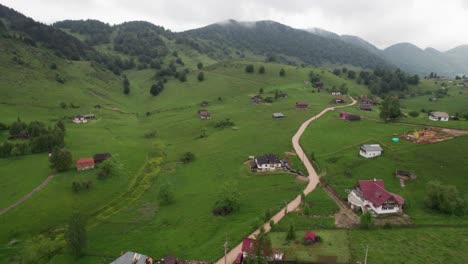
294 204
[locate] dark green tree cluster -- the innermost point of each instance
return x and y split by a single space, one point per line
126 86
444 198
187 157
225 123
313 77
201 76
60 159
390 108
261 70
249 68
228 200
156 88
383 81
282 72
96 32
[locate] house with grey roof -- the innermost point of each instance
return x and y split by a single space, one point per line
268 162
438 116
133 258
370 150
278 115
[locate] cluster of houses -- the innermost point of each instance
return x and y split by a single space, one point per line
83 164
83 119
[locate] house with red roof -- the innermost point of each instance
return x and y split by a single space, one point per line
371 195
85 164
247 246
309 237
302 105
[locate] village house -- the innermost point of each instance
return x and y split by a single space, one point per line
370 150
366 100
310 238
302 105
256 99
267 162
133 258
371 196
204 114
282 95
247 249
365 107
439 116
204 103
85 164
349 117
79 120
338 100
335 93
405 175
100 157
277 115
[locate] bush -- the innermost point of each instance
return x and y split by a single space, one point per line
187 157
228 200
60 159
151 134
39 248
225 123
282 72
165 194
261 70
201 77
414 113
444 198
291 235
108 168
53 66
366 220
268 100
249 68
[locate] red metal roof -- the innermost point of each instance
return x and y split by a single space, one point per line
309 235
374 191
83 162
247 245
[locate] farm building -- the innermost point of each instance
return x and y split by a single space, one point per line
256 99
352 117
318 84
278 115
89 116
370 195
79 120
302 105
204 103
338 100
370 150
309 237
405 175
365 100
100 157
268 162
439 116
365 107
282 95
204 114
133 258
85 164
335 93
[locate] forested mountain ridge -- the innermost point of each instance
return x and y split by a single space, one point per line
271 38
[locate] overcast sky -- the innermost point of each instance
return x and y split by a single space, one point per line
425 23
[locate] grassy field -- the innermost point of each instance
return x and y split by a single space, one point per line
337 153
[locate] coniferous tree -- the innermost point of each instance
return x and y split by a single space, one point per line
282 72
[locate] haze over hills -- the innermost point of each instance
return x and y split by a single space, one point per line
409 57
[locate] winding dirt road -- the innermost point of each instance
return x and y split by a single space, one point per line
294 204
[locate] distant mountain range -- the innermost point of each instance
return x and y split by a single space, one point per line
409 57
79 39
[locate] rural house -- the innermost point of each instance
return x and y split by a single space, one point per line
204 114
100 157
89 116
310 237
278 115
370 150
365 107
335 93
267 162
338 100
351 117
365 100
370 195
439 116
85 164
282 95
301 105
79 120
256 99
133 258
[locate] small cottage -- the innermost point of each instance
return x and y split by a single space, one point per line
278 115
338 100
370 150
79 120
247 246
268 162
100 157
365 100
405 175
282 95
302 105
204 114
89 116
438 116
352 117
371 196
133 258
365 107
84 164
256 99
309 237
335 93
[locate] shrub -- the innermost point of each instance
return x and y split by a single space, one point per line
60 159
75 235
53 66
225 123
151 134
39 248
414 113
366 220
444 198
267 215
249 68
268 100
282 72
201 77
291 234
228 200
261 70
165 194
108 168
187 157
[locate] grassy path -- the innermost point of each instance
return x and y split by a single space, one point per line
24 198
294 204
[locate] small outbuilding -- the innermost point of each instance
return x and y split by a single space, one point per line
204 114
338 100
309 237
100 157
277 115
365 107
370 150
84 164
366 100
133 258
352 117
89 116
439 116
302 105
405 175
79 120
335 93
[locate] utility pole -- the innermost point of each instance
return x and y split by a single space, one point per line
225 250
367 250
